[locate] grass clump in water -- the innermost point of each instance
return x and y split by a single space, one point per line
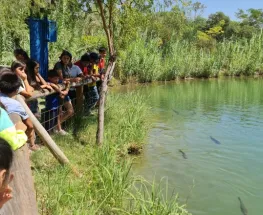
105 187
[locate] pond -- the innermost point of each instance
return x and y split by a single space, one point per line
218 124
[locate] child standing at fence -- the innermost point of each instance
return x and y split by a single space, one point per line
21 55
9 86
37 82
76 76
90 90
54 102
25 89
83 63
102 53
62 67
6 158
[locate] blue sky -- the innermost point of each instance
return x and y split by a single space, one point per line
229 7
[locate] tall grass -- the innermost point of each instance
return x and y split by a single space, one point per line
147 61
141 59
106 187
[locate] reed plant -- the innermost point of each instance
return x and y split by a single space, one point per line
106 185
148 61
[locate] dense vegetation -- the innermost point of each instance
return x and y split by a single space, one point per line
152 41
106 185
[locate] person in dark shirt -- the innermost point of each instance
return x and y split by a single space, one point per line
62 67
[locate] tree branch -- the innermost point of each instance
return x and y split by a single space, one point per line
106 29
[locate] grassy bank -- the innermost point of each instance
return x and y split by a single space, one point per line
147 61
106 187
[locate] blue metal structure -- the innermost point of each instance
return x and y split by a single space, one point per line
42 31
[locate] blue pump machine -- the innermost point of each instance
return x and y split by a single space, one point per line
41 31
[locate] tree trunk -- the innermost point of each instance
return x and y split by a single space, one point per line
110 68
103 92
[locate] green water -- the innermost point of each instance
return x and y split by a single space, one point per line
214 175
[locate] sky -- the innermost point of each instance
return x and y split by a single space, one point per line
229 7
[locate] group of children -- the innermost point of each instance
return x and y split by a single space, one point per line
23 78
16 128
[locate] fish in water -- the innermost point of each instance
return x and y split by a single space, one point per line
243 207
183 154
175 111
215 140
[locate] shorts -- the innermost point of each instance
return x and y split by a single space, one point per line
67 99
73 95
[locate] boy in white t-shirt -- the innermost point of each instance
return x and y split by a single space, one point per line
76 76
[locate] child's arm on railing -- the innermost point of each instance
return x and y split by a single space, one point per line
67 86
64 92
43 83
56 88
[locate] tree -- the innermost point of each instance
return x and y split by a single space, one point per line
216 20
253 17
107 11
198 9
168 23
208 38
232 30
247 31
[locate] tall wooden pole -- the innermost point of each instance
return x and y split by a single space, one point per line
109 70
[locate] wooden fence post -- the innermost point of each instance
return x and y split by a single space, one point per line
24 195
43 134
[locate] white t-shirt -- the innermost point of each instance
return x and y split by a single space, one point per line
75 71
21 88
13 106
